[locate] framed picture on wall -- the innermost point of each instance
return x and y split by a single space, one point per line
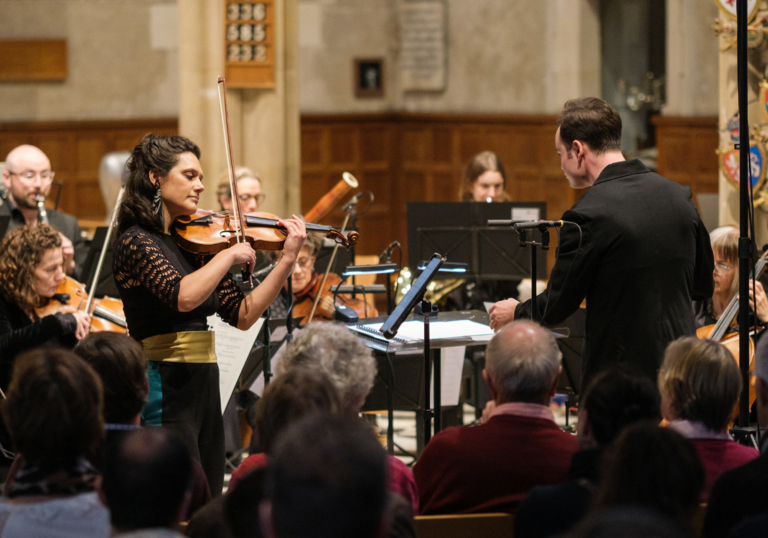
369 77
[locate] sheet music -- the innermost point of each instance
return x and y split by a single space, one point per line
232 349
413 331
451 368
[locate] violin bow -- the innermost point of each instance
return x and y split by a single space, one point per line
103 251
239 219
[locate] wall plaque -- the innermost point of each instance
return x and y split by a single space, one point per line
249 43
423 55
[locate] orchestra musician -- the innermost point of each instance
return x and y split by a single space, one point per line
639 255
28 178
305 283
725 246
31 269
248 190
485 180
167 298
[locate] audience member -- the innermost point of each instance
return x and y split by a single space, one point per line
491 467
700 385
326 479
146 484
742 492
615 399
121 365
626 522
53 413
653 468
335 350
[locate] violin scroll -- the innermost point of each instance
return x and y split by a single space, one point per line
349 241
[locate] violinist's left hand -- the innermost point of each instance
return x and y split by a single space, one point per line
297 233
502 313
762 301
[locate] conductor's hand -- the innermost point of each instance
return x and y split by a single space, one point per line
83 324
762 301
297 233
502 313
242 254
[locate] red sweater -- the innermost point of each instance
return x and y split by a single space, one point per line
492 467
720 455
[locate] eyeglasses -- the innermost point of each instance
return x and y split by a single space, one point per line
722 268
46 177
305 263
258 197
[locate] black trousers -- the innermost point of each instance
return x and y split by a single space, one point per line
184 397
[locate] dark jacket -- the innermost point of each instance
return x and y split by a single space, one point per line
645 255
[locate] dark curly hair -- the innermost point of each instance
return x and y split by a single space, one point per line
20 252
158 154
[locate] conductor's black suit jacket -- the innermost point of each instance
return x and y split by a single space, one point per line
642 256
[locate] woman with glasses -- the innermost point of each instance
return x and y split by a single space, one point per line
168 297
725 246
248 190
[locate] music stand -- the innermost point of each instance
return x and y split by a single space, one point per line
459 231
106 284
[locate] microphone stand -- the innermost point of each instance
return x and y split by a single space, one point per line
544 244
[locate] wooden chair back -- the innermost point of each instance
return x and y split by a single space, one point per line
465 526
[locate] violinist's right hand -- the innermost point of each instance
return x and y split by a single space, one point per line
242 254
83 324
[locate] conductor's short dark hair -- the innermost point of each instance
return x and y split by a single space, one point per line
592 121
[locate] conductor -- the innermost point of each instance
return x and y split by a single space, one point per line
641 255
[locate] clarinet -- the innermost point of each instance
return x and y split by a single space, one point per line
42 215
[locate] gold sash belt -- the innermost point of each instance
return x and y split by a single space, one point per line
189 346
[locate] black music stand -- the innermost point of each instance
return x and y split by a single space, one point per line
459 231
106 284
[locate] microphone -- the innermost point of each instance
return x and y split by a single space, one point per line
527 224
353 201
537 224
388 251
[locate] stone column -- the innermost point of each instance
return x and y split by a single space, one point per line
265 124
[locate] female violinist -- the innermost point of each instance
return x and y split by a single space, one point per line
31 268
306 285
725 246
167 298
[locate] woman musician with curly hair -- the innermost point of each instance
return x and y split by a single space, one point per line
167 297
31 268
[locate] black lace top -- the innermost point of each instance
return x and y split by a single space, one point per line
148 270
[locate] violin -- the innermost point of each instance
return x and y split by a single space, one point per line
106 314
719 332
209 232
325 309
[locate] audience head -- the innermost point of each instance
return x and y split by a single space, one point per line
326 479
333 349
627 522
27 175
54 408
119 361
484 179
290 397
31 265
522 364
615 399
699 381
146 479
725 247
654 468
248 189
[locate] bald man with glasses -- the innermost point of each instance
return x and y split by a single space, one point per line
27 176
